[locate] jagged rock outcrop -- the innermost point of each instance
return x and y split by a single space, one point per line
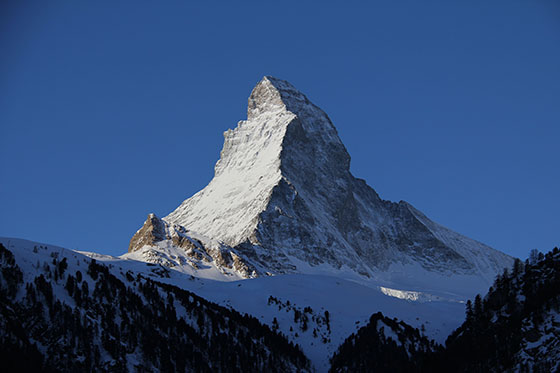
284 198
170 245
155 230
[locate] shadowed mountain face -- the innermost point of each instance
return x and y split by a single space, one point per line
283 200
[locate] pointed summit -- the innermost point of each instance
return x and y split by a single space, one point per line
285 139
272 94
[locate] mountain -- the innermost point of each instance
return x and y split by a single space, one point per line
283 234
514 328
63 311
283 200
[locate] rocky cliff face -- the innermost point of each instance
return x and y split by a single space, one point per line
284 199
170 245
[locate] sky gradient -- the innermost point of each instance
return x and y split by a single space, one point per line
112 110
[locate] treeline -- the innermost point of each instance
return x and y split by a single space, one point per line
512 329
66 320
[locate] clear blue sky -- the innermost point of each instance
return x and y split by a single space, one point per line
112 110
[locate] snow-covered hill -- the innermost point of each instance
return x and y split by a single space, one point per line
283 200
316 312
61 310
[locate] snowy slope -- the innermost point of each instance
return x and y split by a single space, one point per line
172 246
349 304
75 314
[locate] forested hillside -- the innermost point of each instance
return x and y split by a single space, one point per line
516 326
80 316
384 345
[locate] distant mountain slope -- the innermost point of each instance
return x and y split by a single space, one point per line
283 200
62 311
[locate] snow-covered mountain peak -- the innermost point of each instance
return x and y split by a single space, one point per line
284 139
265 97
272 94
283 200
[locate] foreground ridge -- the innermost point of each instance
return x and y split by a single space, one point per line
63 311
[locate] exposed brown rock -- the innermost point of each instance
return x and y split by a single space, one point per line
240 266
155 230
151 232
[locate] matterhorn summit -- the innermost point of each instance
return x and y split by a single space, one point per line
283 200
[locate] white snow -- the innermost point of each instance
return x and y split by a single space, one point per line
249 167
